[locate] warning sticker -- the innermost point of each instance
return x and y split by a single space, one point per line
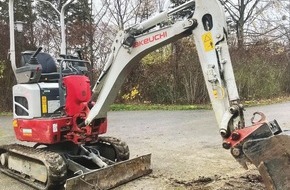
207 41
54 127
44 104
27 132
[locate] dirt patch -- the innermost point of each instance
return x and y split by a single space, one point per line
242 182
248 180
201 181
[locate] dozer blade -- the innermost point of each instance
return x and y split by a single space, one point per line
272 158
111 176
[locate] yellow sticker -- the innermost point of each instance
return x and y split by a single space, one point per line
44 104
207 41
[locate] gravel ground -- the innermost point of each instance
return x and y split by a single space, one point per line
185 146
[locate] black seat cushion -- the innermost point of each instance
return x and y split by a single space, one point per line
47 62
49 70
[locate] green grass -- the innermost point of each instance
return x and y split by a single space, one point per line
251 103
5 114
134 107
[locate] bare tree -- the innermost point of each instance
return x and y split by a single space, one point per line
128 12
271 24
256 20
240 12
114 16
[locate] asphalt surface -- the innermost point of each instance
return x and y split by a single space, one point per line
185 145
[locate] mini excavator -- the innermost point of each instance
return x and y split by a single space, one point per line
55 108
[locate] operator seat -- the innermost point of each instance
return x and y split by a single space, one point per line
49 69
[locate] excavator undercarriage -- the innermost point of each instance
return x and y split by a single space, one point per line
38 168
49 167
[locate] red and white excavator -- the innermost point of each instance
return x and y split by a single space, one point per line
56 109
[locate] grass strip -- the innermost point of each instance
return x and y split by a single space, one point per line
135 107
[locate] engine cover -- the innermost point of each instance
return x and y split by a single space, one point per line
35 100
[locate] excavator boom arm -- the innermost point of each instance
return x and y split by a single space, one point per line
207 24
124 58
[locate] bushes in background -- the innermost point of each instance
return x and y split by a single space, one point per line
261 72
172 75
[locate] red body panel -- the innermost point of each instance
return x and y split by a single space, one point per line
103 127
51 130
43 130
55 130
78 93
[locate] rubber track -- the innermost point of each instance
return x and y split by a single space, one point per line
55 165
121 147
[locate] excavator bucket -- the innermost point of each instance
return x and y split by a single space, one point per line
272 158
266 146
111 176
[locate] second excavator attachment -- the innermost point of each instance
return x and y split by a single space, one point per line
111 176
266 146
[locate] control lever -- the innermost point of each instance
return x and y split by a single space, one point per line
37 52
33 60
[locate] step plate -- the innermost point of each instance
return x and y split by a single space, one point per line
112 176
